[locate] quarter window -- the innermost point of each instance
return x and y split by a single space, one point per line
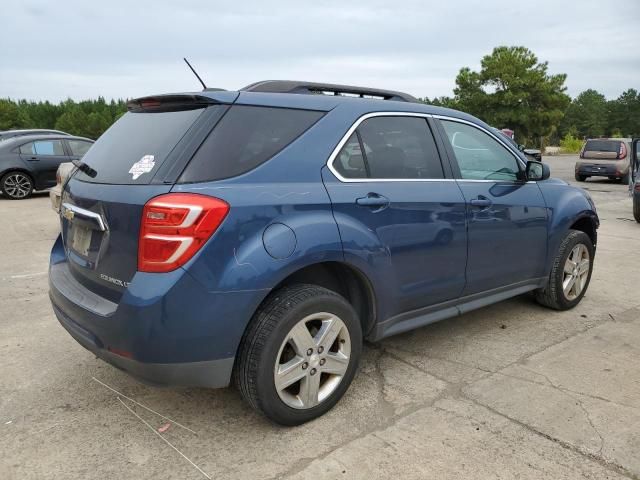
43 147
79 147
392 147
479 156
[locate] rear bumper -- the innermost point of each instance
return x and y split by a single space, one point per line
212 373
165 329
613 168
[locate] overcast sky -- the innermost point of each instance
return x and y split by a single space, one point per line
52 50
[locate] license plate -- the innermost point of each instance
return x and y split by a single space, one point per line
81 240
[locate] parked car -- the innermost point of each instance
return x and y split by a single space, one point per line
634 178
62 175
29 163
262 234
4 135
530 153
604 157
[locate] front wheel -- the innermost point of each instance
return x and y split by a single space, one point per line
570 272
299 354
580 178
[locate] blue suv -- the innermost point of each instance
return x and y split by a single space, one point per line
259 236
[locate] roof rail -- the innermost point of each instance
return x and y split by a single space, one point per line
292 86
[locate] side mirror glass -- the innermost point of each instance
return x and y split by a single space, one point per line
537 171
521 147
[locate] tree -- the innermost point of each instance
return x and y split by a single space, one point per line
73 121
11 116
624 114
587 115
513 90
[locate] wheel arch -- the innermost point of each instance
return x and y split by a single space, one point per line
344 279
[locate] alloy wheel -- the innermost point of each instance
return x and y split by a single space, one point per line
17 185
576 272
312 360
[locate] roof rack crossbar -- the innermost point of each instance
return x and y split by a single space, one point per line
292 86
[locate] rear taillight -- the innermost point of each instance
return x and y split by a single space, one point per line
58 178
174 227
623 151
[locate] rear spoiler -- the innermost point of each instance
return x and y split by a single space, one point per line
182 101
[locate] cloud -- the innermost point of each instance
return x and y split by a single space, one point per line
125 49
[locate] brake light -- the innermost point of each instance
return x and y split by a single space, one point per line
174 227
623 151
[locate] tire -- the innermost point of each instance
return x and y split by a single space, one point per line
625 179
16 185
268 345
581 178
636 208
554 295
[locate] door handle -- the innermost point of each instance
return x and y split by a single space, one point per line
481 201
33 159
373 200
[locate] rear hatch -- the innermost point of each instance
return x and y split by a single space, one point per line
603 150
138 158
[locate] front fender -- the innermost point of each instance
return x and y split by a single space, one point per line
566 206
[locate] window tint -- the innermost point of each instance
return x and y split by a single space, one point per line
140 138
612 146
245 138
350 161
479 156
79 147
395 147
43 147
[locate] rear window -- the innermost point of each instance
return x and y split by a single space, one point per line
246 137
134 148
602 146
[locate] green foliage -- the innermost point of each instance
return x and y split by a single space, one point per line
513 89
586 115
570 144
87 118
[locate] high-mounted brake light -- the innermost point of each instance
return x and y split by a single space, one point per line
174 227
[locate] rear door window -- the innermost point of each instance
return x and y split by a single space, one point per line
134 148
390 148
246 137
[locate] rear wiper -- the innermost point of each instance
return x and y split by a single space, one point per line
83 167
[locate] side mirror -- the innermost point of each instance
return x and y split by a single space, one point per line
537 171
521 147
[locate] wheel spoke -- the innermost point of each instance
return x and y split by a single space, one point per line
335 363
289 373
568 283
569 265
583 266
309 389
328 333
301 338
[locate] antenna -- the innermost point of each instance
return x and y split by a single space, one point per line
195 73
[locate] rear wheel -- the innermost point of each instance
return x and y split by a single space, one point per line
299 354
16 185
570 273
636 208
581 178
